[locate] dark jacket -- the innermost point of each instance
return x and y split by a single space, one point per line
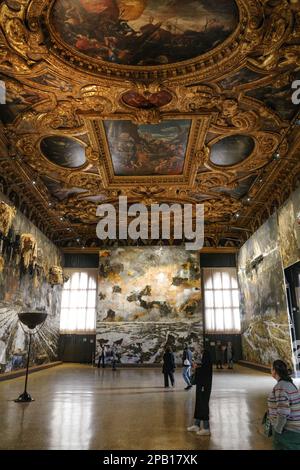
169 362
203 380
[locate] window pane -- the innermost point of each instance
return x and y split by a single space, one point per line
65 298
221 299
75 299
234 283
227 298
83 281
90 319
75 281
237 319
209 299
208 279
218 298
235 298
91 299
228 319
92 283
81 319
217 280
226 280
209 319
219 319
82 299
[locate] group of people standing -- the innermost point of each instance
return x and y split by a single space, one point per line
224 354
283 402
201 377
109 355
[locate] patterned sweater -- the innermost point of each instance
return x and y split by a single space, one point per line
284 407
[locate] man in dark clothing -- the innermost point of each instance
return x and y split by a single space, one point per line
203 381
168 367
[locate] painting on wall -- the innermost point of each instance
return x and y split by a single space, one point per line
147 149
144 32
151 284
287 229
63 151
265 324
24 284
144 343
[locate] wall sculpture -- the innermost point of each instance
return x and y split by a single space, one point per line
26 256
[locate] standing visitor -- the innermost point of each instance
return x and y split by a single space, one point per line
187 359
114 357
168 367
229 355
203 380
284 409
101 359
219 355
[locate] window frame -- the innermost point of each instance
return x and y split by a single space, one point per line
67 308
220 299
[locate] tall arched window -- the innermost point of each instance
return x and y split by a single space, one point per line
221 300
78 307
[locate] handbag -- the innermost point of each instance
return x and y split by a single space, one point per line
267 425
186 362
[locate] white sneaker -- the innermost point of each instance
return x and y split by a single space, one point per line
193 428
203 432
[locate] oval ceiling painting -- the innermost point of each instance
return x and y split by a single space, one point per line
231 150
144 32
63 151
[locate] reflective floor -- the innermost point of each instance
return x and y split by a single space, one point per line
81 407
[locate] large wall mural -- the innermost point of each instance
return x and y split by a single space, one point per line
148 297
265 326
149 284
144 32
288 227
27 259
147 149
144 343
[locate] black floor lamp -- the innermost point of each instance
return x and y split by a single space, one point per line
31 320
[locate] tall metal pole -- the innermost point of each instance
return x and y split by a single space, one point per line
25 397
27 367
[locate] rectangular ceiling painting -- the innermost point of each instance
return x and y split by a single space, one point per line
147 149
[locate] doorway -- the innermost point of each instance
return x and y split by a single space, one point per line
77 348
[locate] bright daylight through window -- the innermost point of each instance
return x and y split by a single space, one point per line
221 300
79 303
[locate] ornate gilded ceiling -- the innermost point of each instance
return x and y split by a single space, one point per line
158 100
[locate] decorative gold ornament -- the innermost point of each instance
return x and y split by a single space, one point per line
7 215
28 250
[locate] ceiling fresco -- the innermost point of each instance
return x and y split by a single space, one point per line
147 149
63 151
143 32
156 100
231 150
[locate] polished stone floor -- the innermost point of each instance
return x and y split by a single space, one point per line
81 407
